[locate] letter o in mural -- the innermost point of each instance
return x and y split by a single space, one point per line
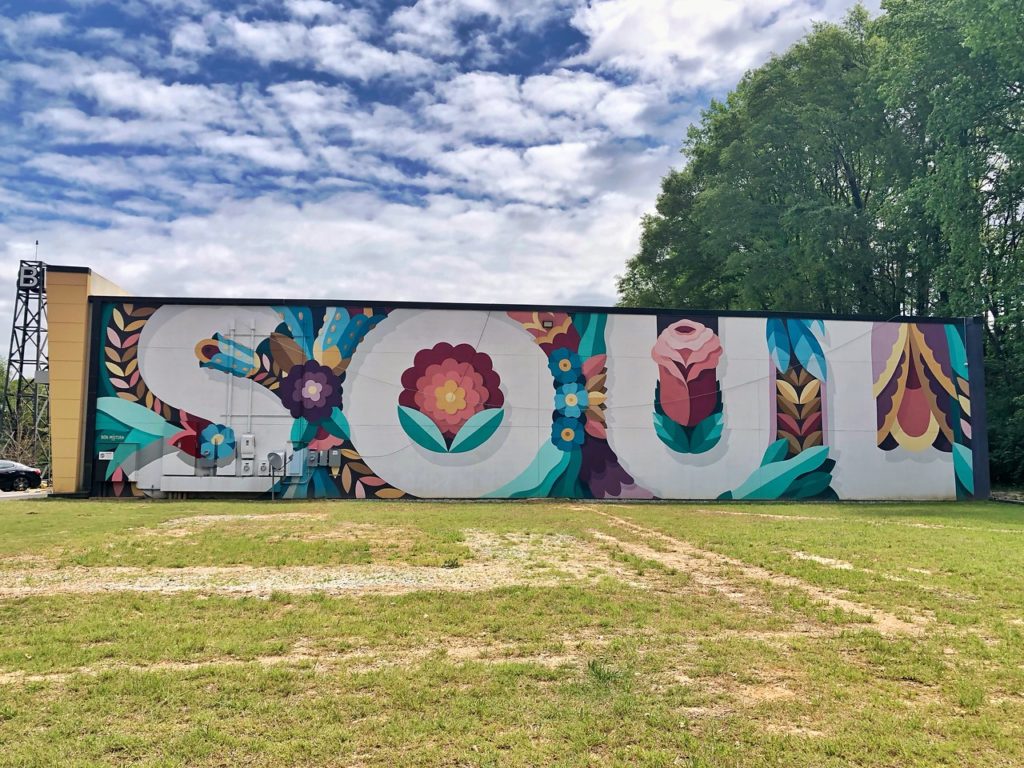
448 400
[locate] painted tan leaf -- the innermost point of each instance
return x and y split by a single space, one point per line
390 493
810 392
330 357
285 351
128 309
812 440
786 390
118 319
787 407
358 466
346 478
112 354
143 312
135 325
132 365
114 369
348 453
812 407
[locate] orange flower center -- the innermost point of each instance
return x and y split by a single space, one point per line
451 398
568 434
564 365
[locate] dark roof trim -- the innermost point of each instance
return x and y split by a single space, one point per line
226 302
65 268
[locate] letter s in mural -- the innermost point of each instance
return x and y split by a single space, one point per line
366 401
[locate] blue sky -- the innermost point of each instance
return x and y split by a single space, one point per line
442 150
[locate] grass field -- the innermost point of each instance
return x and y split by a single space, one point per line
556 633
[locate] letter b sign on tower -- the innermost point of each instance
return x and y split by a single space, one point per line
30 277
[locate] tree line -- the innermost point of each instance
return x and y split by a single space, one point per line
876 167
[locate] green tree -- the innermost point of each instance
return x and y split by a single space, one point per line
875 167
953 70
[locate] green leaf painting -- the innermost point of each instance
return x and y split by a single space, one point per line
477 430
421 429
802 476
697 439
474 433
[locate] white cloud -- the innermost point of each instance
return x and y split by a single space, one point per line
339 48
431 26
693 44
316 149
190 38
360 245
258 149
486 104
29 28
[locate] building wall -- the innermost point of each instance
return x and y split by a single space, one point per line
67 315
366 401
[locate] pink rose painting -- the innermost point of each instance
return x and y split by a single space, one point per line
687 353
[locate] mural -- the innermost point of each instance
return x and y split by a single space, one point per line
922 393
451 399
796 465
688 399
521 404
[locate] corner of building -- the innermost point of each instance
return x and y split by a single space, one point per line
68 321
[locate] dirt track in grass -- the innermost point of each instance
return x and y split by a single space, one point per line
497 561
719 572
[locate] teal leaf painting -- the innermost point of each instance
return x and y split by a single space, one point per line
706 434
778 343
337 424
135 416
775 452
771 481
302 432
299 321
807 348
700 438
477 430
538 479
671 434
421 429
963 466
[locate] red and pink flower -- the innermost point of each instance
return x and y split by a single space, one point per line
687 353
451 384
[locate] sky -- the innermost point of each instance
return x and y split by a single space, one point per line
437 150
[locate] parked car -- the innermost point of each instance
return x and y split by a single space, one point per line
19 477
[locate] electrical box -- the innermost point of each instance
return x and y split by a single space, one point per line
245 467
324 458
276 461
264 468
334 458
313 459
247 447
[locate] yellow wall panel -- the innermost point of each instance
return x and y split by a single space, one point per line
67 310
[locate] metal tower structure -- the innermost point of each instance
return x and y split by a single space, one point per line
24 410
